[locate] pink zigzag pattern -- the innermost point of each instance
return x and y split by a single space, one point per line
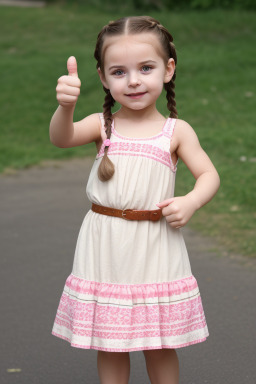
82 317
93 320
138 149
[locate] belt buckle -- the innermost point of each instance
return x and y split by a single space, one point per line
124 213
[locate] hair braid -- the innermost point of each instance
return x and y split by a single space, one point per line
170 96
108 104
107 168
170 87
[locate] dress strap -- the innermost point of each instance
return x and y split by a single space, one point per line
169 127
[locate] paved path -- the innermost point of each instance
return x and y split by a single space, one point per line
41 213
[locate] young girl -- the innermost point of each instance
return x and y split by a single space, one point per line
131 287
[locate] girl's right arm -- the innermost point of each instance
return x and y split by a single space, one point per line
63 132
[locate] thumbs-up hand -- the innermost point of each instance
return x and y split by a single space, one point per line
178 210
68 87
72 66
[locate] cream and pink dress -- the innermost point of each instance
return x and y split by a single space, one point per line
131 287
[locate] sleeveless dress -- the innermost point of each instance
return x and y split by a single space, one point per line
131 287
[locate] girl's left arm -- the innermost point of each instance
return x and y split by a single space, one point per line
179 210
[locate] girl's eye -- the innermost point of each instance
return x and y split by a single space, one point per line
146 68
118 72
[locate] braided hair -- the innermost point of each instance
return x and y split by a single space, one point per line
132 25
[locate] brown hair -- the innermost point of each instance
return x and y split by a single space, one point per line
132 25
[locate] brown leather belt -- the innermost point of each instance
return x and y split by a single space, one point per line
128 214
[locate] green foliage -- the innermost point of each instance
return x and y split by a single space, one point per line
226 4
151 5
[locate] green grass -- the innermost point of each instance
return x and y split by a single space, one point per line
215 93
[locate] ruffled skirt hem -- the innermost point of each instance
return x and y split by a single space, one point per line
131 349
131 317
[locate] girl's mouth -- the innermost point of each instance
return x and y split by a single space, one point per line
136 95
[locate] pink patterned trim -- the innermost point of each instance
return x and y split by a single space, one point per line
131 291
139 149
117 324
82 313
102 313
85 320
132 328
124 335
127 349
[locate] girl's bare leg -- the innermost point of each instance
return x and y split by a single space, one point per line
113 367
162 366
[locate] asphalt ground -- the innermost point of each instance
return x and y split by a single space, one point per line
41 210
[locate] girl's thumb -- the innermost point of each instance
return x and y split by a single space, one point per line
72 66
165 203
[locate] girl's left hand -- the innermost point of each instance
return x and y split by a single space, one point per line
178 210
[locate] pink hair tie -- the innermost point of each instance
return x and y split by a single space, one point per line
106 143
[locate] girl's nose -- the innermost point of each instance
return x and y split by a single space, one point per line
134 80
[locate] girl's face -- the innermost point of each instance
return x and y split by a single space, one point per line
134 69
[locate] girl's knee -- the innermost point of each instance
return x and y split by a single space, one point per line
158 353
162 366
113 367
113 355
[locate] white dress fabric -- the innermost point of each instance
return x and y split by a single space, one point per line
131 287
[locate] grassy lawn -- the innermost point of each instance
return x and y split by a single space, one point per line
215 94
